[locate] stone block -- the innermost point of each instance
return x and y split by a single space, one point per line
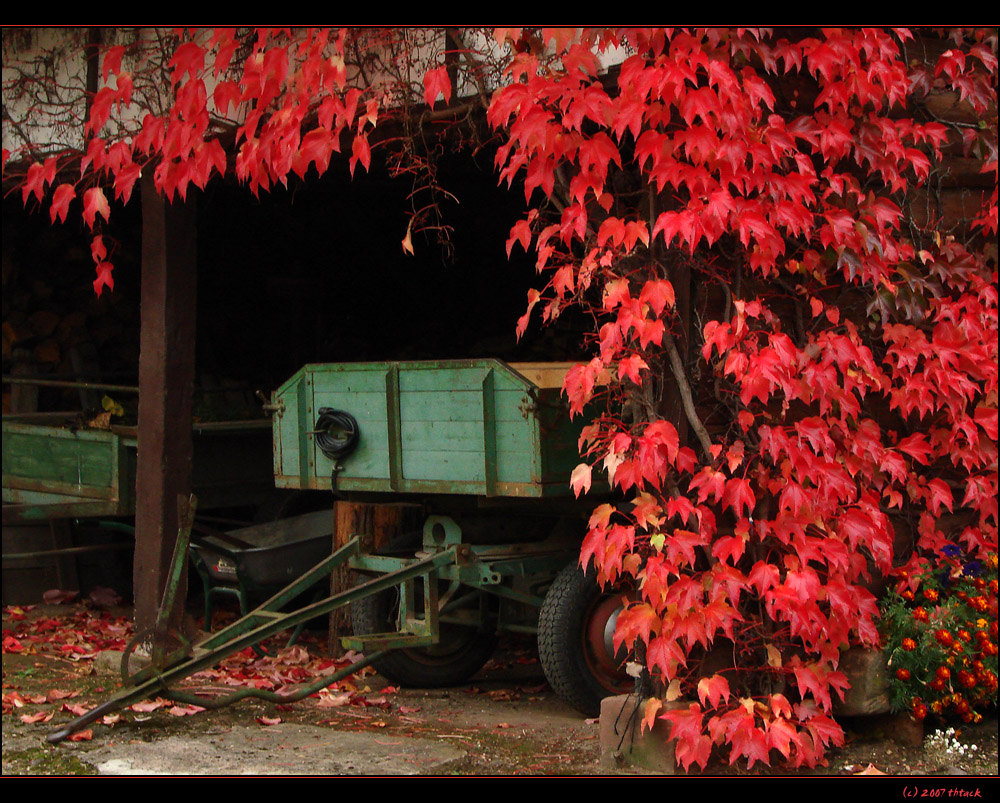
623 742
869 678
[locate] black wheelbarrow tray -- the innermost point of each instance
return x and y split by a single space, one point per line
253 563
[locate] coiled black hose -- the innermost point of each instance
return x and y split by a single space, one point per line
340 445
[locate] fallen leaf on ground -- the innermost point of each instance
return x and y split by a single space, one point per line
871 769
269 720
82 736
149 705
184 710
41 716
334 700
55 596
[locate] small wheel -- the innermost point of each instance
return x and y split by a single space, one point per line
575 641
140 638
459 654
146 637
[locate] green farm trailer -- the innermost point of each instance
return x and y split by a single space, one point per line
487 448
483 451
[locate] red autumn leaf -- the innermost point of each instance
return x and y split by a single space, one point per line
225 95
939 495
916 447
184 710
61 199
94 204
713 690
361 152
739 496
41 716
104 278
189 58
55 596
81 736
751 743
100 110
39 174
659 294
149 705
680 546
125 178
636 622
437 82
580 479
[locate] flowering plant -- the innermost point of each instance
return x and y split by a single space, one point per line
940 636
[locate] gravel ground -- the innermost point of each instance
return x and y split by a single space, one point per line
505 722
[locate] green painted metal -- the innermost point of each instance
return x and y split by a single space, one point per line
476 427
263 622
465 570
60 472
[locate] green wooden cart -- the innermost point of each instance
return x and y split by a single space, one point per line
53 472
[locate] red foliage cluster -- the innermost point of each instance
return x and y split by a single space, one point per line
848 352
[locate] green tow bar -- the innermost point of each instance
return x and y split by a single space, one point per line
261 623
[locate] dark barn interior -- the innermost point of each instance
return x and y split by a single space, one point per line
311 272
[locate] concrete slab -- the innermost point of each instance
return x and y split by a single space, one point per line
285 749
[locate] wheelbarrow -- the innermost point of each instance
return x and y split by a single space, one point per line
253 563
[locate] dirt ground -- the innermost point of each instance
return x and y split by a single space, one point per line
506 721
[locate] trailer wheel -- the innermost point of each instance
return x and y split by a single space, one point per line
460 653
575 629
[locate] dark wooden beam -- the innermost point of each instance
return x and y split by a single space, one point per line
166 387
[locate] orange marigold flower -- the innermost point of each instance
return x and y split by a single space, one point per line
943 672
931 594
921 615
909 644
943 637
965 635
903 674
907 595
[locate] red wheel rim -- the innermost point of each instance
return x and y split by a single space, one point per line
598 647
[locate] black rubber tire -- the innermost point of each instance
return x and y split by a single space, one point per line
461 653
567 654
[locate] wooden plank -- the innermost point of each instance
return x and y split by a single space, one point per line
166 387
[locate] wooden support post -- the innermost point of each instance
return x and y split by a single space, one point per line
166 387
377 525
